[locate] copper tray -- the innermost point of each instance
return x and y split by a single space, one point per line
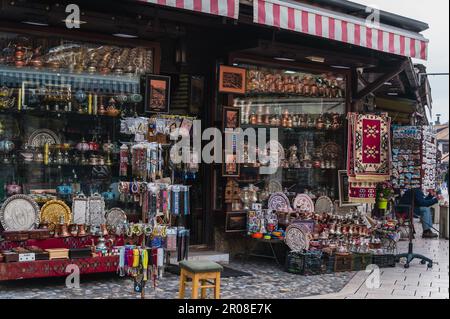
55 211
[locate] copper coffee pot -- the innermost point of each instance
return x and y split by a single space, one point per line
57 231
81 230
104 230
64 231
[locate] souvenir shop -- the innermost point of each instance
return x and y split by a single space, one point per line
86 118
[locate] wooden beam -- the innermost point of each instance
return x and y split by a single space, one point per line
372 87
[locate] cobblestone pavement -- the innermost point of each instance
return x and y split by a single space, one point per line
267 281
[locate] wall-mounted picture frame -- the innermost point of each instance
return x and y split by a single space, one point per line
157 93
232 79
236 222
231 117
343 183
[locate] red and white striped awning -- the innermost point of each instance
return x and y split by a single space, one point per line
224 8
340 27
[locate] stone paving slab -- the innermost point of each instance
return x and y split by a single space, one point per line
266 281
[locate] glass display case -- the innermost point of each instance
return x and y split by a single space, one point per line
60 108
309 111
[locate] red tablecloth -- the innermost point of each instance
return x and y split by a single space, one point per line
56 268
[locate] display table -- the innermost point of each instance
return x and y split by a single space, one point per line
56 268
271 243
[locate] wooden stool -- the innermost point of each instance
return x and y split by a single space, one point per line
206 272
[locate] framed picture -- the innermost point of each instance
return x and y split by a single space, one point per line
196 94
157 94
231 117
231 167
344 200
236 222
232 79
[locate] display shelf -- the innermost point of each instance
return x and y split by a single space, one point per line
14 77
46 113
292 129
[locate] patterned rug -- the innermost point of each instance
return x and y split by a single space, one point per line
368 155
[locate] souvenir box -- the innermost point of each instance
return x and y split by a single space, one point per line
10 256
24 254
59 253
39 234
16 235
39 254
77 253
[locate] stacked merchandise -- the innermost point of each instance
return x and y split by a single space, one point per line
414 158
368 156
406 157
429 159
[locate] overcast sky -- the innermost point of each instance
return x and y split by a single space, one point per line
436 14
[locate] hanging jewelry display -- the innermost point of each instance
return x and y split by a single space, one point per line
123 154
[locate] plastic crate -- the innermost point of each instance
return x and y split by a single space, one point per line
328 261
304 263
294 262
384 261
343 263
361 261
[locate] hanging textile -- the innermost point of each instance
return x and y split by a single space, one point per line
368 155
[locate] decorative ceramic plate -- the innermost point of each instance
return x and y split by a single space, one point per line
297 237
303 203
19 213
275 186
324 205
115 217
279 202
54 212
42 136
80 209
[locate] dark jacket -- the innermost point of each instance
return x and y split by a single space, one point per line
420 200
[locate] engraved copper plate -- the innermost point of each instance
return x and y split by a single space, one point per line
115 217
41 137
55 211
297 237
19 213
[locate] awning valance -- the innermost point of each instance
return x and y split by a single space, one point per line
340 27
224 8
